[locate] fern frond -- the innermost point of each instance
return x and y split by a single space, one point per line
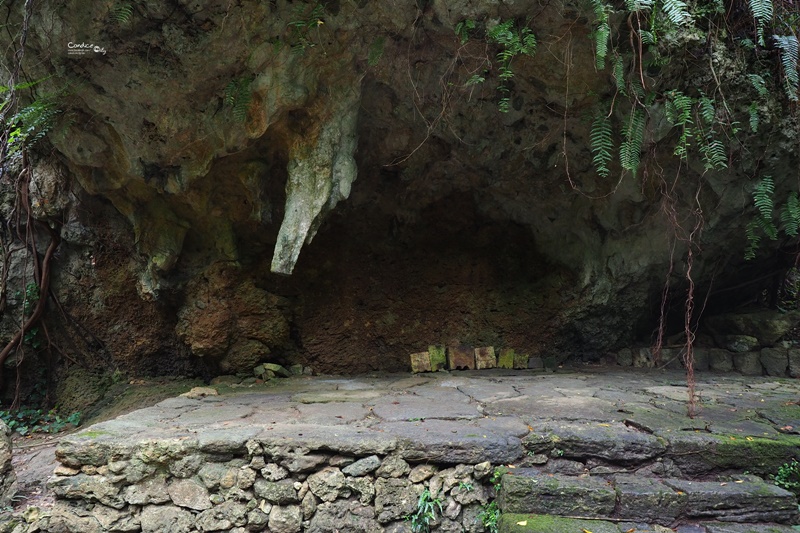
122 13
762 11
677 12
790 216
707 111
754 118
762 197
753 240
759 84
602 144
638 5
237 95
619 74
630 151
714 155
789 57
601 35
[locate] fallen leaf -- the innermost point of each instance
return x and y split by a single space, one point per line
585 530
523 523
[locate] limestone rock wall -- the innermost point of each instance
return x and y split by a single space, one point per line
201 152
7 477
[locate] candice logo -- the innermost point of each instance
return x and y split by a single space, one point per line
82 49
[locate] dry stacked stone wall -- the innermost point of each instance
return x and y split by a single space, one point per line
161 488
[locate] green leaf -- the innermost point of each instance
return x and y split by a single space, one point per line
602 144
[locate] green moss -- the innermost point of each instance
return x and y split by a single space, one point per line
758 455
92 434
531 523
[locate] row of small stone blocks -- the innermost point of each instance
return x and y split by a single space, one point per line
778 362
463 358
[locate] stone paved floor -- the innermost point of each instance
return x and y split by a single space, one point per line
462 416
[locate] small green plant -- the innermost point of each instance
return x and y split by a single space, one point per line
122 13
238 96
466 487
305 18
425 514
28 420
490 516
788 477
513 41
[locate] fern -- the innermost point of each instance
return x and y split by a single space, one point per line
630 151
678 109
122 13
762 13
753 240
513 42
30 124
790 216
762 197
707 111
759 84
601 33
638 5
619 74
463 28
714 155
754 118
602 144
789 57
677 12
238 96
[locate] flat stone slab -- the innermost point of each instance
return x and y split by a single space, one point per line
736 501
525 490
611 441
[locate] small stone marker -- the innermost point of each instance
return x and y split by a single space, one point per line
438 359
460 358
506 358
420 362
485 358
520 361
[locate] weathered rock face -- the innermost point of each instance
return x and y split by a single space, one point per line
225 135
7 477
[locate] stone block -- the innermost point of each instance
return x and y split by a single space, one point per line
534 363
648 500
460 358
525 491
420 362
438 359
506 358
747 363
745 501
775 361
485 358
625 357
720 360
702 359
794 363
739 343
521 361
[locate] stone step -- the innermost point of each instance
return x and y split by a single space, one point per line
638 498
533 523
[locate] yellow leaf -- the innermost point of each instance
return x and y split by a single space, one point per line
523 523
585 530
